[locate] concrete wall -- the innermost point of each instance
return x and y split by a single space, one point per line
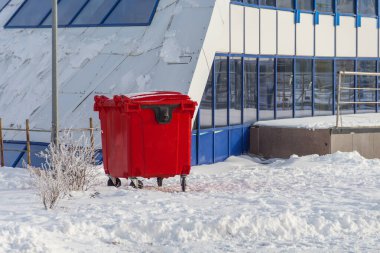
274 142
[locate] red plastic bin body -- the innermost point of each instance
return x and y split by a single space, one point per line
135 144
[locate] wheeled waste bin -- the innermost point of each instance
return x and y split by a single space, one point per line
146 135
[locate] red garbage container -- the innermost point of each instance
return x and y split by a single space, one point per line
146 135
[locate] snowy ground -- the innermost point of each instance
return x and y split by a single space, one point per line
319 204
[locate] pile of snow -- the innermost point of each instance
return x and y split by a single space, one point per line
325 122
312 203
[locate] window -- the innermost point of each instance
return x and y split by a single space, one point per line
235 90
250 89
251 1
324 5
348 82
68 9
367 7
366 82
266 88
306 5
268 2
303 87
284 98
346 6
132 12
37 13
205 109
288 4
221 86
3 3
31 13
323 88
94 12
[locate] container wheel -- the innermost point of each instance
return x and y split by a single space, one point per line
135 183
159 181
117 183
183 183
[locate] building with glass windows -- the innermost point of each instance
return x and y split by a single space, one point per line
243 61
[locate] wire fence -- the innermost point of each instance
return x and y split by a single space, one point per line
341 76
91 130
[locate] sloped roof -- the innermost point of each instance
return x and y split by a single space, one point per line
108 61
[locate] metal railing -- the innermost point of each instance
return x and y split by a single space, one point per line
341 75
27 131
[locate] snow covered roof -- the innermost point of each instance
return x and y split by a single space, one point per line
174 53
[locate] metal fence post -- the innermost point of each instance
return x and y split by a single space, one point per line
28 142
338 102
92 139
1 144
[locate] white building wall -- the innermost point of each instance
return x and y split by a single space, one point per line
237 28
268 31
325 36
367 38
252 31
286 33
305 35
346 37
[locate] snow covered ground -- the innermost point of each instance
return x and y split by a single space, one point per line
315 203
325 122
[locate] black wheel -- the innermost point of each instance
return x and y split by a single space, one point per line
110 182
159 181
183 183
140 184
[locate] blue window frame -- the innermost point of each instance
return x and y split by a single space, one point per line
324 5
305 5
284 94
366 82
68 9
221 91
94 12
323 88
266 88
31 13
348 82
303 87
84 13
367 7
235 90
346 6
3 3
131 12
250 90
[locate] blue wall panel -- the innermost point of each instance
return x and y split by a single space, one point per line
194 148
221 145
236 141
205 150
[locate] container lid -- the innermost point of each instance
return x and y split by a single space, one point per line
157 96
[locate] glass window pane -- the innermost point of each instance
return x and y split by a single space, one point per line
221 91
348 82
67 11
235 90
268 2
306 5
132 12
366 82
284 97
266 89
250 89
323 88
205 109
251 1
325 5
303 88
3 3
94 12
367 7
285 4
31 13
346 6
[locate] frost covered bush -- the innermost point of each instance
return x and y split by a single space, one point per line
69 166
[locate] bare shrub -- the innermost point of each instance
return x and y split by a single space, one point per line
69 166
